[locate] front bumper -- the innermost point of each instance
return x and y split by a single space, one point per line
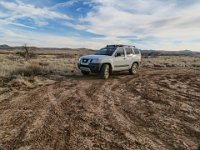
91 67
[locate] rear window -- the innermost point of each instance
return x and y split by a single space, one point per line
129 51
136 51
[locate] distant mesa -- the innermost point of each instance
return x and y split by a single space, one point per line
169 53
4 46
145 53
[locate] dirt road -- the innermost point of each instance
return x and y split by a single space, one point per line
154 110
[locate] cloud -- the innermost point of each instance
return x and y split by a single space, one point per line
20 37
2 14
155 24
5 22
65 4
18 10
165 21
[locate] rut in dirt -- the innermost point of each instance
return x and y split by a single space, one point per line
156 109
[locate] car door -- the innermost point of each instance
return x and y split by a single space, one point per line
129 56
119 60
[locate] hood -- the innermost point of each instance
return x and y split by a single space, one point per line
96 56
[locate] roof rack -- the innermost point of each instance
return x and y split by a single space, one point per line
119 45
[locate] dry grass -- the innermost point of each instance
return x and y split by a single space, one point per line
16 72
172 61
14 65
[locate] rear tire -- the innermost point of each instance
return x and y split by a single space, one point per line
134 69
85 72
105 71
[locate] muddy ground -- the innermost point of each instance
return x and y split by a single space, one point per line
157 109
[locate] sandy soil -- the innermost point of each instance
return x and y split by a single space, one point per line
156 109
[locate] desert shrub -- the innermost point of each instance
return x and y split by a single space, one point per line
20 82
195 65
23 54
42 69
159 65
43 64
66 56
30 70
13 57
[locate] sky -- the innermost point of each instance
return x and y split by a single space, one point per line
147 24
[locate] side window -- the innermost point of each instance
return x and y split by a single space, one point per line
137 51
129 51
120 52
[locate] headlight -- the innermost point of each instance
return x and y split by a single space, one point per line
79 59
96 60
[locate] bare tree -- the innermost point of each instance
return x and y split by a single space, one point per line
26 52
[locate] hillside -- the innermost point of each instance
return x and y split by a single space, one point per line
169 53
144 52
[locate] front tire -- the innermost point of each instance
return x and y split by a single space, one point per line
105 71
134 69
85 72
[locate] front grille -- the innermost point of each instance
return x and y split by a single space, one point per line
95 68
83 65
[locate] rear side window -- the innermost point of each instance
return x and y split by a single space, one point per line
129 51
136 51
120 52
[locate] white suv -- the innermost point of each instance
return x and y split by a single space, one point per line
111 58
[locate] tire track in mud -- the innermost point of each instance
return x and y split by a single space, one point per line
126 120
145 111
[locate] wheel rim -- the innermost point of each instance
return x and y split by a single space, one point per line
134 68
106 73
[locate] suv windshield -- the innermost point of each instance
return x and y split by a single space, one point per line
106 51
